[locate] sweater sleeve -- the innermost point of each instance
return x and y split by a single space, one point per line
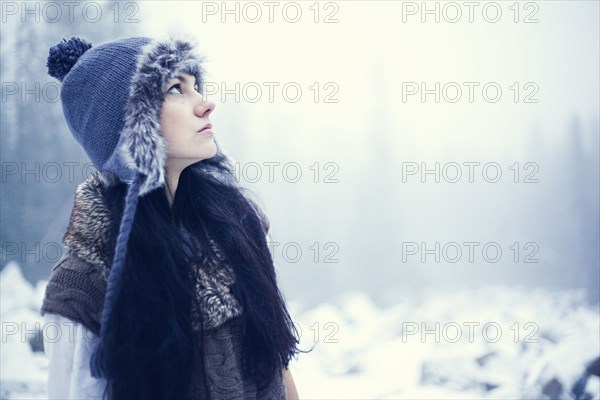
68 346
76 290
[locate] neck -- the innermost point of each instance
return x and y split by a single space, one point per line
172 182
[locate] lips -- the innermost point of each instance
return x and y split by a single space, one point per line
205 127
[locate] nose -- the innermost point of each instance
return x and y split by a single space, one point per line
204 106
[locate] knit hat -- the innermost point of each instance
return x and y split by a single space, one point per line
111 96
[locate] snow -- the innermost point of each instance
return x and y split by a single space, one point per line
22 371
493 342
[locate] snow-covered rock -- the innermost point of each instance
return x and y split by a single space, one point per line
16 291
492 342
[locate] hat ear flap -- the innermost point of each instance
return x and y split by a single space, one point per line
141 144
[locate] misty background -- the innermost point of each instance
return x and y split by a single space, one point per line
372 204
351 219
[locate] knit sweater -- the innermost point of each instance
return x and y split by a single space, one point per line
78 281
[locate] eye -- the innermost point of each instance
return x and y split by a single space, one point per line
175 89
197 88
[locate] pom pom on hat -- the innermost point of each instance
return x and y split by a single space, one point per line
64 55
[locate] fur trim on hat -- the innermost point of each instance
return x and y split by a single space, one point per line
142 146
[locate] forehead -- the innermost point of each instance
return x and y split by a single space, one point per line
185 77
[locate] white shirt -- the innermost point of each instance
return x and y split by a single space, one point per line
68 346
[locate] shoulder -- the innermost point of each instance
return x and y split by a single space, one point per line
75 290
90 223
78 280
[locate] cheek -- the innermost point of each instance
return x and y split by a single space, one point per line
168 124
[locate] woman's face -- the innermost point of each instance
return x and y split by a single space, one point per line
184 123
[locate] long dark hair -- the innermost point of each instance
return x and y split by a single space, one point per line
152 345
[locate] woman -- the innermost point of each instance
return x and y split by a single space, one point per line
167 289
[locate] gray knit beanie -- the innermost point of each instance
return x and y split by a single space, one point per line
111 96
